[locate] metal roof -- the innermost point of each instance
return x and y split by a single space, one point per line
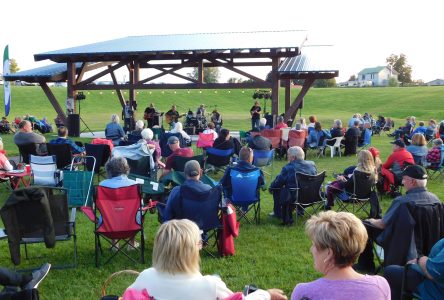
54 72
170 44
376 70
307 65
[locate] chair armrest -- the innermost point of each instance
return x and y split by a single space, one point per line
150 205
72 217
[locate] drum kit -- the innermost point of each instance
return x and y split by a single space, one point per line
195 123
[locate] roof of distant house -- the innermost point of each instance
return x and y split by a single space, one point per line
376 70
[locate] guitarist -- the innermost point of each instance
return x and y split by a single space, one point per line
172 116
255 115
150 113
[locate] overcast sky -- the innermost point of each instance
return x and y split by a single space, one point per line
364 33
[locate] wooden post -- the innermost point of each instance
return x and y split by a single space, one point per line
287 94
71 81
118 91
291 112
274 87
200 72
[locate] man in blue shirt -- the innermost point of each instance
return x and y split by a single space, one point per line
63 139
421 129
287 179
192 187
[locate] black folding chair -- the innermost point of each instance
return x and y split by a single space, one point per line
62 153
180 161
101 153
25 152
309 193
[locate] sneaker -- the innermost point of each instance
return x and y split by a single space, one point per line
132 247
37 277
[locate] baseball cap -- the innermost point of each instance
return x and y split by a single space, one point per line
399 143
173 140
415 171
192 168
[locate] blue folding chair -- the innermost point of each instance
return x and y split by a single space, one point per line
264 158
367 139
218 158
245 194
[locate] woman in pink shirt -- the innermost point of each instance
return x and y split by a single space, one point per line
337 240
5 165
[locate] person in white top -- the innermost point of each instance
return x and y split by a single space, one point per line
176 273
178 128
210 129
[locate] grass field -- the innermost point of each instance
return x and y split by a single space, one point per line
267 254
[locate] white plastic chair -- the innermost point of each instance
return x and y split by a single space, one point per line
336 146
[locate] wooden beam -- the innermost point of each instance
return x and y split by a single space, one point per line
274 87
71 80
188 86
53 101
292 111
82 72
200 72
103 73
118 91
227 66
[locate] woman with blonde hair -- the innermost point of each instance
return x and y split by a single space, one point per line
337 241
175 273
345 182
418 148
114 131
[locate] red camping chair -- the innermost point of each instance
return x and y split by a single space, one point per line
274 135
121 218
297 138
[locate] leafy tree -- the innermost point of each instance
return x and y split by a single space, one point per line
393 82
325 83
234 80
13 66
399 64
211 75
352 78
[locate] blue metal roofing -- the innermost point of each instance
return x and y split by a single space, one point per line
54 72
308 64
187 42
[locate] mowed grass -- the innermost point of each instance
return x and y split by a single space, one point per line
267 255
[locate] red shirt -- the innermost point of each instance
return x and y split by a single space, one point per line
280 125
185 152
400 156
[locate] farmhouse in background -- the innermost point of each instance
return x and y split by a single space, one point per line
436 82
378 76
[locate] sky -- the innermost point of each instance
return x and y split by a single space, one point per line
363 33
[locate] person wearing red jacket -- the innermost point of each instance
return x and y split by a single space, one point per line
395 163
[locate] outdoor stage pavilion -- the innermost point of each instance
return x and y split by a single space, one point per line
282 51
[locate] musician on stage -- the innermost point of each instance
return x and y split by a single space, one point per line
216 118
255 115
172 116
127 116
150 113
200 111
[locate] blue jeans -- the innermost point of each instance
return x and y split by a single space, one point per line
254 123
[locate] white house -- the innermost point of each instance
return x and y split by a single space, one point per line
436 82
379 76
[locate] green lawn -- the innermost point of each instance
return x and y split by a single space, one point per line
267 255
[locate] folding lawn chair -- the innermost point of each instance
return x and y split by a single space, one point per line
39 215
44 170
205 140
27 150
245 194
264 158
218 158
309 193
119 215
78 183
180 161
62 153
102 153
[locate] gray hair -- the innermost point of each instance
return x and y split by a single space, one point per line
296 152
437 142
117 166
421 182
280 119
338 123
139 125
115 118
147 134
298 126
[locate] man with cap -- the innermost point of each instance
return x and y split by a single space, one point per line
396 162
191 187
173 143
414 179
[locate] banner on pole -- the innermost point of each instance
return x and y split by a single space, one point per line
6 84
